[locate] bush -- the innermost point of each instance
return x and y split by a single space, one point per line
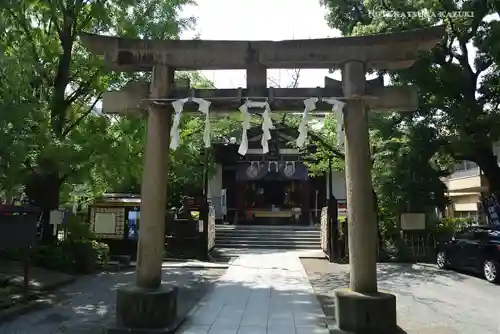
78 229
79 253
54 257
388 228
447 227
75 257
102 252
396 250
342 227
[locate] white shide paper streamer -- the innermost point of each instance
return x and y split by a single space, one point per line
267 125
245 125
337 107
309 105
178 105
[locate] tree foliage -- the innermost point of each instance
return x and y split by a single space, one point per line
458 87
328 152
18 115
407 166
69 143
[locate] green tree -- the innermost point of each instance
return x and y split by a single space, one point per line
407 162
71 141
407 166
327 150
458 90
18 114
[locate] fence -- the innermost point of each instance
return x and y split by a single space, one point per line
421 246
418 246
334 241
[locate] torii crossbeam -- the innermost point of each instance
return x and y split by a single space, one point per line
136 97
360 309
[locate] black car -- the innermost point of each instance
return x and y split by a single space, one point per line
477 248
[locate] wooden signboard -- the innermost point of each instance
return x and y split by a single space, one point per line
413 221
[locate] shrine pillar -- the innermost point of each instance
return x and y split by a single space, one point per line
154 184
361 217
306 202
361 308
241 193
148 304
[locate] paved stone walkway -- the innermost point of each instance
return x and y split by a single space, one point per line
261 293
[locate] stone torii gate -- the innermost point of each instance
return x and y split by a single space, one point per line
361 308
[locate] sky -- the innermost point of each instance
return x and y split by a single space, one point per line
261 20
264 20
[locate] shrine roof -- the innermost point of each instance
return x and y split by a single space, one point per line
381 51
281 130
118 199
284 132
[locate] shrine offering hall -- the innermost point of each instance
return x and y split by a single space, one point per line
273 188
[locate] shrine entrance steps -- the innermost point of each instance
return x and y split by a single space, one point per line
267 237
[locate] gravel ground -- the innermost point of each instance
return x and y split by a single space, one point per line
88 304
430 301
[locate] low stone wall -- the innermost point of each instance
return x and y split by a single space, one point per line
211 228
325 231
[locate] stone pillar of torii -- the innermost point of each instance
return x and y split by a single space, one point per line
360 308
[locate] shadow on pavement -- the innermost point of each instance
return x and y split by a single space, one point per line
88 304
397 278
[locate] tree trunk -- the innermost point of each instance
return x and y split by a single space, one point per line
487 161
43 191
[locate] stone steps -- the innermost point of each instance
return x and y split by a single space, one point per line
269 237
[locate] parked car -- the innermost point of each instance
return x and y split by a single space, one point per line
477 249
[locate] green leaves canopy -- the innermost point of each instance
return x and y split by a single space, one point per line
458 80
50 88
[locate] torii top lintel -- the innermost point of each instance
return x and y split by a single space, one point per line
382 51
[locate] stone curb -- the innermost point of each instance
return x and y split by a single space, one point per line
23 308
42 300
318 257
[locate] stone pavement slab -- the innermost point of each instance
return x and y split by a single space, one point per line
264 292
87 305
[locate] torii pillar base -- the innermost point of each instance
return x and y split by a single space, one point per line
146 311
373 313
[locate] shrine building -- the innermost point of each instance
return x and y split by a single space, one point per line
275 188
